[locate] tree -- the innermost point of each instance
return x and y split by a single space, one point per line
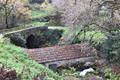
83 13
114 48
12 11
76 12
104 14
77 15
108 21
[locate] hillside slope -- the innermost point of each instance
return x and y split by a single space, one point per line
15 58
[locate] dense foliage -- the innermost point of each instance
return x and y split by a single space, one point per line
110 75
112 47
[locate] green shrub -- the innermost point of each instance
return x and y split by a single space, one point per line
109 75
112 47
96 38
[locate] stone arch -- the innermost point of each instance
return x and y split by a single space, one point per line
53 67
32 41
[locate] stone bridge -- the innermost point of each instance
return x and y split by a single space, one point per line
27 32
35 35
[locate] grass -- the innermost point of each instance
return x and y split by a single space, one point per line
38 14
16 58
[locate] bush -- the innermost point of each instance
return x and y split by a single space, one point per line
44 39
18 40
109 75
112 47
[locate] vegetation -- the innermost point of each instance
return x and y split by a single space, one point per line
111 75
95 36
38 14
106 19
15 58
113 48
45 39
12 10
96 22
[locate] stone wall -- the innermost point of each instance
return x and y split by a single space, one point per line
72 61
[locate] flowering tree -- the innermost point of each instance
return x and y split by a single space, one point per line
75 12
80 14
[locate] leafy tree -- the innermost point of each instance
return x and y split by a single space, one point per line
76 15
12 12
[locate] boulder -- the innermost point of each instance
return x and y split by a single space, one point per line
84 72
89 64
